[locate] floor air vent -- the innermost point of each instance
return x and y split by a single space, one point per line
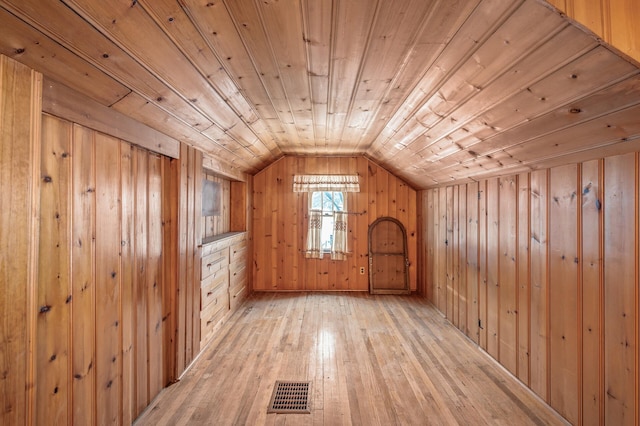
290 397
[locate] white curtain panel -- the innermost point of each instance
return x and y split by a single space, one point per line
314 251
339 247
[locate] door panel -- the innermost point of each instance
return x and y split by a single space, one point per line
388 261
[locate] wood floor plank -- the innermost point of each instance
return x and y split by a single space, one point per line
376 360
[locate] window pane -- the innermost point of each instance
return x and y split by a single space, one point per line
338 201
316 200
326 235
327 202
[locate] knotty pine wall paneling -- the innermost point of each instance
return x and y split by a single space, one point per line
455 246
187 331
20 147
522 280
592 291
287 263
620 289
102 220
191 265
612 20
432 271
91 289
539 302
127 273
239 210
422 218
108 281
280 224
450 260
430 232
170 260
54 277
482 280
564 289
462 260
99 346
493 265
196 243
433 231
507 300
141 248
566 310
472 264
83 285
441 268
155 286
359 229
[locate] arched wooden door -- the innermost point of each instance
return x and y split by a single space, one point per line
388 259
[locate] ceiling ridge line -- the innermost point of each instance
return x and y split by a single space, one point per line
354 90
305 30
332 46
331 57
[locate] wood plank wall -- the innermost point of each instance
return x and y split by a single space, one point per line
104 238
554 297
615 21
240 205
97 280
20 104
189 247
280 224
99 333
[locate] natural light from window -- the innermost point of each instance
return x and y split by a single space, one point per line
327 202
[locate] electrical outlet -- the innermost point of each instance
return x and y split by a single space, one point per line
362 270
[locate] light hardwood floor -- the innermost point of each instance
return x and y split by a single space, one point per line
372 360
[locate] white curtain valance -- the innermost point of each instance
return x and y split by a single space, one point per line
338 183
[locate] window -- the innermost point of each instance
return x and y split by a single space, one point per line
327 225
327 202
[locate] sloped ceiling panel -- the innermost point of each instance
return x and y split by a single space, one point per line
436 91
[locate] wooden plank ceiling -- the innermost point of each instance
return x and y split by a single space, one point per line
436 91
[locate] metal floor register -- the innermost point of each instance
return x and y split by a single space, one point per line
290 397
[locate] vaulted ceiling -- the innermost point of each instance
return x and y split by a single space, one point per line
434 90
